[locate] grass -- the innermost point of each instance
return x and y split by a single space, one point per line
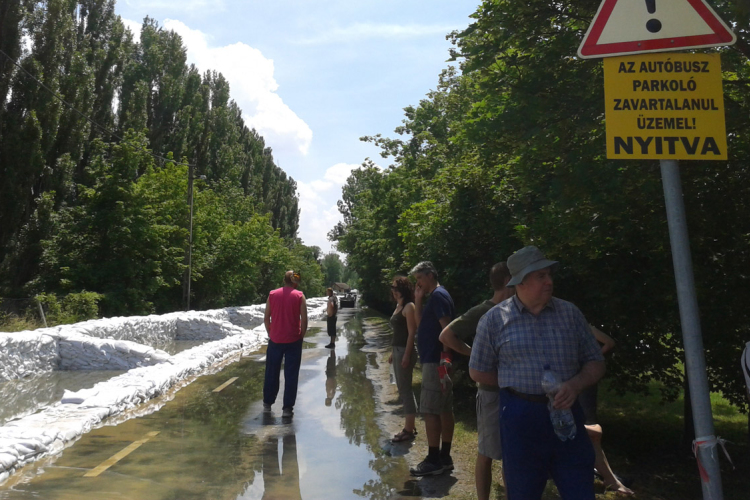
643 441
14 323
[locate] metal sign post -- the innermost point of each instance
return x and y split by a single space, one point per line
695 361
668 107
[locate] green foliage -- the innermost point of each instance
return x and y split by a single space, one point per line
351 278
333 268
73 307
81 208
511 151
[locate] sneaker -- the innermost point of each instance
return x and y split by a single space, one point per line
266 407
447 462
287 413
426 468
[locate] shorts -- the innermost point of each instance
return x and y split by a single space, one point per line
588 401
488 424
434 400
331 324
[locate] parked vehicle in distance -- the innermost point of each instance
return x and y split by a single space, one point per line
348 300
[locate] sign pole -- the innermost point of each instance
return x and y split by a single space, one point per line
695 362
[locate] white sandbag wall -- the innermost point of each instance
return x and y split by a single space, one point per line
26 353
79 352
67 347
148 330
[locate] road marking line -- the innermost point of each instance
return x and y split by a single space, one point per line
119 455
225 384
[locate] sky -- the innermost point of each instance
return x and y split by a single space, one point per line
314 76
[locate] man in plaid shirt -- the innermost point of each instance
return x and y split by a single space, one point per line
514 341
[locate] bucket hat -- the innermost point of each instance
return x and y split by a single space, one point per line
525 261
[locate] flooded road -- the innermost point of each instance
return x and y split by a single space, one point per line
213 441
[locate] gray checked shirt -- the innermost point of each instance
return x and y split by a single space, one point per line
517 344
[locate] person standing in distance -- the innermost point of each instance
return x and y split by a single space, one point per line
458 335
514 342
332 309
436 398
286 323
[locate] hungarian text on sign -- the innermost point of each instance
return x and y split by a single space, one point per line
665 106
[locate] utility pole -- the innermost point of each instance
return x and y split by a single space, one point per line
189 255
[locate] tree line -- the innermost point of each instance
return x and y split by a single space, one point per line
99 134
509 150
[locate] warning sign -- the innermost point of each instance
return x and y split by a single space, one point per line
636 26
665 106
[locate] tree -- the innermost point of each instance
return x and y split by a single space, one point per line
101 206
332 267
511 152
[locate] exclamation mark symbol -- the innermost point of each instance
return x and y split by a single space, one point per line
652 25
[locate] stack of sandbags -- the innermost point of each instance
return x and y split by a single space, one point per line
50 429
247 317
26 353
150 330
81 352
316 308
195 326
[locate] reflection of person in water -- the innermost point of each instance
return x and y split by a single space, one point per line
330 377
281 473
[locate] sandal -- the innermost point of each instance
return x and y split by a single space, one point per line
404 435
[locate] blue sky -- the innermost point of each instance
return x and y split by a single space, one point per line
314 76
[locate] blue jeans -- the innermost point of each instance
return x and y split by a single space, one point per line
291 354
532 452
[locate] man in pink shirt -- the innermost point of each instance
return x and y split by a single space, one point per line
286 323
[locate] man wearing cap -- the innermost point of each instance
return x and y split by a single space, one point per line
514 341
286 323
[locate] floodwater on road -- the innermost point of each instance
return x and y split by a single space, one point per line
28 395
213 441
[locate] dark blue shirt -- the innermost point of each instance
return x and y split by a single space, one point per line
439 305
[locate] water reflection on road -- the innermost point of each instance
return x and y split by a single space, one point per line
222 445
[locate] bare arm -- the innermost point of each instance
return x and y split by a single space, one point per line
590 374
418 298
449 339
486 378
267 315
444 322
303 317
608 343
411 326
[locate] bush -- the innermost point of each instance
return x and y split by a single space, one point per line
73 307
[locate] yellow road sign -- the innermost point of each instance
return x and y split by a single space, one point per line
665 106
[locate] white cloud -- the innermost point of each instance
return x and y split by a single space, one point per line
133 26
252 83
317 201
360 31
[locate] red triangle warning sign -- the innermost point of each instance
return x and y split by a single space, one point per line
623 27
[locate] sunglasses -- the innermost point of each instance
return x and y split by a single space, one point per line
394 287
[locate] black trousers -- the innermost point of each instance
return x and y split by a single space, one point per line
331 320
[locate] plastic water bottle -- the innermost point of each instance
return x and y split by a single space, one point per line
562 420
